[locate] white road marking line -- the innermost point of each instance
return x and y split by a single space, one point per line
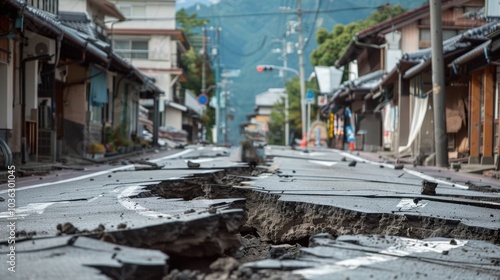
125 201
31 208
408 204
409 171
126 167
131 167
430 178
172 156
327 163
402 247
200 160
95 198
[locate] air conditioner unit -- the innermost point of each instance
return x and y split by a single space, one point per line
39 45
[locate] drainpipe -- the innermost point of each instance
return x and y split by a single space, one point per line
488 59
56 143
156 118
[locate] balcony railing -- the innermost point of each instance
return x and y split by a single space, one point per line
51 6
133 54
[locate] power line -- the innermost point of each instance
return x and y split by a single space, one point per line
246 54
314 23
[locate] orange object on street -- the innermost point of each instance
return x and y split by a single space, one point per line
303 143
352 147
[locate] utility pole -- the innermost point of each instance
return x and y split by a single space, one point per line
217 89
203 60
203 72
284 52
438 85
301 73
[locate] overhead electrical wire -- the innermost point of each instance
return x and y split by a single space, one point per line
314 24
247 54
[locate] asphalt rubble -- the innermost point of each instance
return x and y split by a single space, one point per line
241 237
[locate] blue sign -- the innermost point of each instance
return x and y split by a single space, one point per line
309 97
203 99
310 94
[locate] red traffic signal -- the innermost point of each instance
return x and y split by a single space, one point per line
262 68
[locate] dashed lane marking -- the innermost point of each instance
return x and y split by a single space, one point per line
125 201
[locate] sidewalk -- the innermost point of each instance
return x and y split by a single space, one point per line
471 175
468 174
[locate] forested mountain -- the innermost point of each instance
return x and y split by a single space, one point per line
250 31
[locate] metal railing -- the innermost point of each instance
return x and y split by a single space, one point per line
51 6
137 54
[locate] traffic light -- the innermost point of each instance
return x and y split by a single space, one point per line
262 68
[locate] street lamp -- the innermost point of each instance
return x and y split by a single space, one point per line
267 67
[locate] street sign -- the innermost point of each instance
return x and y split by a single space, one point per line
322 100
203 99
310 97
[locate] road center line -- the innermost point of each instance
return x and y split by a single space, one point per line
327 163
24 211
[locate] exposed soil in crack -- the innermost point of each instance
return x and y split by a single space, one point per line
278 229
264 228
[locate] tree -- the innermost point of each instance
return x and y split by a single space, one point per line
332 45
189 22
277 122
192 62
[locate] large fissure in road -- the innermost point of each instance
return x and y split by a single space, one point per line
273 228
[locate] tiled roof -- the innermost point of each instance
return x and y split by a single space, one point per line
366 82
389 25
79 21
459 42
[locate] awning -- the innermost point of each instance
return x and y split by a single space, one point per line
176 106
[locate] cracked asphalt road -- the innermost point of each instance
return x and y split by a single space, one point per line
297 196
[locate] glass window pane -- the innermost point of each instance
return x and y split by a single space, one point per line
447 34
425 34
121 45
126 10
140 45
139 11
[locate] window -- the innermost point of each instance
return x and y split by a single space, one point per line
132 48
133 11
449 33
425 34
96 114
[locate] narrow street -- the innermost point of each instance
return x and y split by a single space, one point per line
200 213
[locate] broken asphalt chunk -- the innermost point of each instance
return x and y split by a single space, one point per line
79 257
191 164
428 188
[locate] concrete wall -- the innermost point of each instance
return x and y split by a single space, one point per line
173 117
6 95
164 10
73 5
31 87
6 101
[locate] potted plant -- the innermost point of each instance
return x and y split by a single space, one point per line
97 150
